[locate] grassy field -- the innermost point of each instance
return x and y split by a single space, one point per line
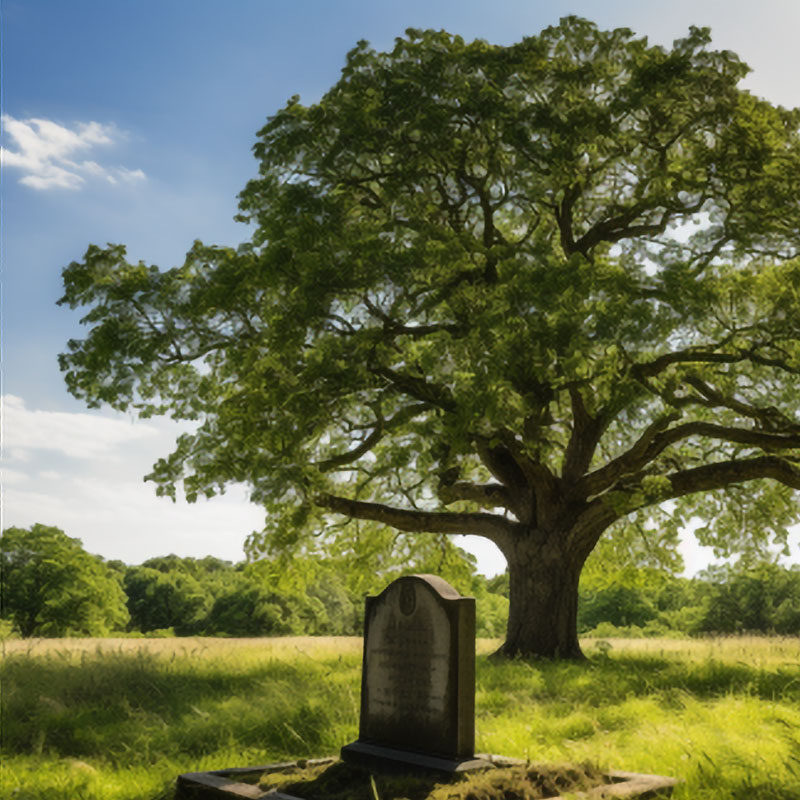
118 719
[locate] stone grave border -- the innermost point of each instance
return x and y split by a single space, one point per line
228 784
373 755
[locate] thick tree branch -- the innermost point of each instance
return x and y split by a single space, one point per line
564 218
630 461
768 418
615 229
586 433
490 233
588 526
687 356
511 444
764 440
542 492
503 466
777 363
490 526
382 426
725 473
708 354
618 227
656 439
488 495
417 387
501 463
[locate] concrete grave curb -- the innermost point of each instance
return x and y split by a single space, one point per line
229 784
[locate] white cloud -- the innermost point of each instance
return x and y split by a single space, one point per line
121 517
96 492
130 175
83 473
50 475
46 153
84 436
12 477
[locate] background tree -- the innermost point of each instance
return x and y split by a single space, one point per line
52 587
521 292
251 607
751 598
166 598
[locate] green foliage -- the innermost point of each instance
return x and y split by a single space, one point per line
193 596
491 607
249 608
499 584
486 277
752 597
161 599
52 587
169 595
7 630
628 582
363 561
619 605
343 614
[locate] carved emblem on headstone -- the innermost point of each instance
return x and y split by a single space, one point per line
408 598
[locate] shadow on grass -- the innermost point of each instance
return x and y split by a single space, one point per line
138 708
605 680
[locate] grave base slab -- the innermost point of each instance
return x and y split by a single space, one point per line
231 784
378 758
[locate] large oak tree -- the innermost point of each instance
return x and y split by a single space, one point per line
521 292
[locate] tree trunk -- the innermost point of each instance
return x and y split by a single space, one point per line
543 607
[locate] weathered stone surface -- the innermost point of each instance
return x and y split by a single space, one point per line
418 679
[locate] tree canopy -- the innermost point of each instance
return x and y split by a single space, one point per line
522 292
52 587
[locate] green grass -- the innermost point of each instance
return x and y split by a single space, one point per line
119 719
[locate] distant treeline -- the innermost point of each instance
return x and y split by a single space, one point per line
760 597
52 587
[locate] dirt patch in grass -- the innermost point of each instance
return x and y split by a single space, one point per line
341 781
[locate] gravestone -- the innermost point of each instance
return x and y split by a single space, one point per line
417 703
418 679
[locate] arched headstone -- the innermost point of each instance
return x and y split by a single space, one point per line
418 678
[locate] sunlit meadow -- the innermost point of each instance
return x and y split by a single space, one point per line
119 719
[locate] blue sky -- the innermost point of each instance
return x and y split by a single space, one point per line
131 121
